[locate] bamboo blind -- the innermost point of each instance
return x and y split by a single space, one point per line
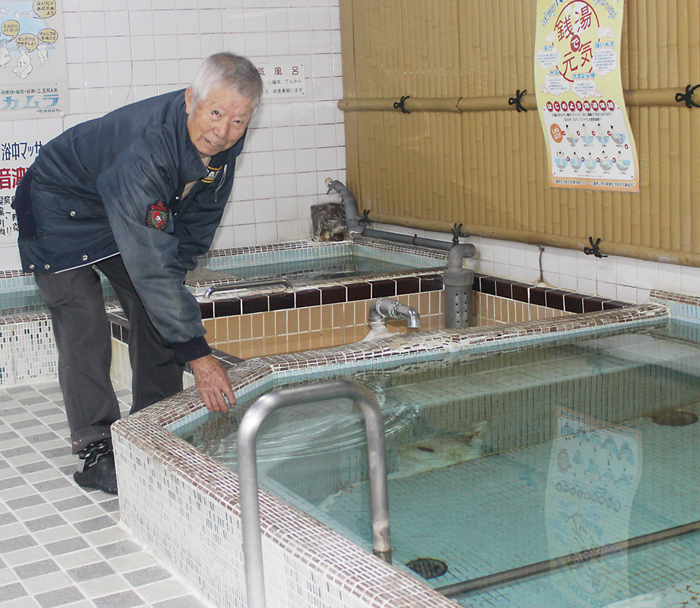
488 169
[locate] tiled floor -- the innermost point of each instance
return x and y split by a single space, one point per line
61 545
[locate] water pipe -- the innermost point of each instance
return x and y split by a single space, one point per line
382 309
355 227
458 282
352 217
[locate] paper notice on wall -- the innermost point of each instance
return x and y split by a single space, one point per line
580 98
33 73
283 80
15 158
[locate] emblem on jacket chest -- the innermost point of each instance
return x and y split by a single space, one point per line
157 216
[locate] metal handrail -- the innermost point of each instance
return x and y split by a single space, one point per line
247 285
248 474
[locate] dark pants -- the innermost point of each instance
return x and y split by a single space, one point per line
84 345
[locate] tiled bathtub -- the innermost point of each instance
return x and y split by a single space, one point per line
306 563
318 315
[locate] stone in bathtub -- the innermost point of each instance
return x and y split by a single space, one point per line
359 291
328 221
555 299
487 285
226 308
573 302
383 289
593 304
406 285
431 283
308 297
333 295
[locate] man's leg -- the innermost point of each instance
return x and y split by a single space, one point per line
84 347
156 374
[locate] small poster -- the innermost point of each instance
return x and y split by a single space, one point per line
33 73
580 98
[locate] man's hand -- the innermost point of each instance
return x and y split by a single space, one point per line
213 383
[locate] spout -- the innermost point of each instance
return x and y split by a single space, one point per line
382 309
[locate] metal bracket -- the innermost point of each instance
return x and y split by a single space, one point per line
400 105
517 100
687 97
594 249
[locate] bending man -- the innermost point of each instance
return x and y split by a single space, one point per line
137 194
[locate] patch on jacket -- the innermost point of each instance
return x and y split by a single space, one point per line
157 216
212 172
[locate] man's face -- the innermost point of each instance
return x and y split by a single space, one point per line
218 121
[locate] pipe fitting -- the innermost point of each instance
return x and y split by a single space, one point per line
382 309
352 217
458 253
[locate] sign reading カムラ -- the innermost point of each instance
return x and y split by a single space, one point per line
580 98
33 73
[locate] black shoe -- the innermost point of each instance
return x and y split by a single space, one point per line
98 471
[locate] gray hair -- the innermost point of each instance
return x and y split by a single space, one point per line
228 71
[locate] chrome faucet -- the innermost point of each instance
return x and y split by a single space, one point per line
382 309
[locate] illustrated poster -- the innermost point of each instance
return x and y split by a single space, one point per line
580 98
33 73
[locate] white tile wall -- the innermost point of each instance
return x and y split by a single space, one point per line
123 51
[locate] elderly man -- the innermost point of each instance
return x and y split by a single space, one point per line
137 194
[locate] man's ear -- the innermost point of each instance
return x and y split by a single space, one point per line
189 93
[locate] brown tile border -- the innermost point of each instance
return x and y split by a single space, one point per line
554 298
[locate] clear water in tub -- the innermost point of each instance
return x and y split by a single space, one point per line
307 271
501 462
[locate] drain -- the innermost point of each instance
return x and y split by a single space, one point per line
427 567
675 418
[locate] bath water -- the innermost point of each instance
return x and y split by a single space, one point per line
540 463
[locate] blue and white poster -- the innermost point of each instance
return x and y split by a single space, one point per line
33 73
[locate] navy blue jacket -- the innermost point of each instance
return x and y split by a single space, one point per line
113 185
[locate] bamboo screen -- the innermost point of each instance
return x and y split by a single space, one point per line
487 169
